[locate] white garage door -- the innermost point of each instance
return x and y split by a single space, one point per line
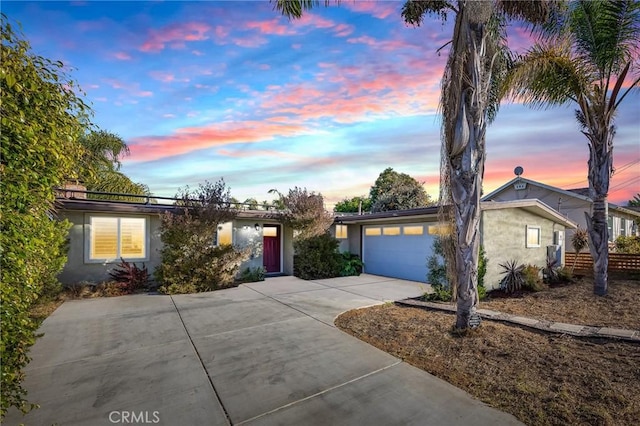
398 251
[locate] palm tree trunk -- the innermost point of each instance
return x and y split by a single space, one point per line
467 96
600 169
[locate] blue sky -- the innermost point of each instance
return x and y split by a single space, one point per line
203 90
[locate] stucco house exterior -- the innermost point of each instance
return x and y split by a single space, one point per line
104 231
397 243
571 203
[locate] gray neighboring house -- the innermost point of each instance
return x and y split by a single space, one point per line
104 231
397 243
571 203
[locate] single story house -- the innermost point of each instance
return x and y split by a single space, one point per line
104 231
570 203
397 243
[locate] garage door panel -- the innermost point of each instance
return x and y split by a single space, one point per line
399 256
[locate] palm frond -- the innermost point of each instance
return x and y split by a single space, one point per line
606 32
413 11
532 12
294 8
547 76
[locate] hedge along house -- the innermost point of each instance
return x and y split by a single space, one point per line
397 244
103 231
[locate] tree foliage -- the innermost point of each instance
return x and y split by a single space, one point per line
397 191
191 262
353 205
304 211
635 201
100 163
42 117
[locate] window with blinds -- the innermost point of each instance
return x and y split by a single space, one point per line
111 238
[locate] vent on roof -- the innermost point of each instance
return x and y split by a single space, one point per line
519 186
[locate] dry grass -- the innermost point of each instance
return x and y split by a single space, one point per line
542 379
575 303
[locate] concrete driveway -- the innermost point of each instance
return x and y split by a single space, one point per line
260 354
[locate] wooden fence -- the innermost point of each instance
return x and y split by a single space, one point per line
618 262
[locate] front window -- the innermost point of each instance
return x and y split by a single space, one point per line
533 236
341 232
112 238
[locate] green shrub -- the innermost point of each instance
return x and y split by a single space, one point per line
317 257
351 264
130 277
564 275
198 266
190 261
437 272
531 277
628 244
440 293
42 117
252 275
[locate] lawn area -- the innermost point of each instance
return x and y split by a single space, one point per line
542 379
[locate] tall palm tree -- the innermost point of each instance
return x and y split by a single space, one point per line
585 60
469 101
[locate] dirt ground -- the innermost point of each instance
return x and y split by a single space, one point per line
575 303
542 379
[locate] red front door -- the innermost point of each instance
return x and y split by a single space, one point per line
271 248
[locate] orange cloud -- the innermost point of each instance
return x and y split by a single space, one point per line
175 36
189 139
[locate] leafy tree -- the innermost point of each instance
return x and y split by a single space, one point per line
635 201
353 205
191 262
252 203
397 191
477 59
42 117
585 59
304 211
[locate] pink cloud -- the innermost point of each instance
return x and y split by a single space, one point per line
133 89
250 41
296 46
122 56
162 76
264 67
318 22
175 36
271 27
380 10
388 45
190 139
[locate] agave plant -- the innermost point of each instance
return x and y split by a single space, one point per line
513 279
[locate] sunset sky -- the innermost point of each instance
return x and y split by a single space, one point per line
203 90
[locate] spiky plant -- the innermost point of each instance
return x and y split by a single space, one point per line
579 241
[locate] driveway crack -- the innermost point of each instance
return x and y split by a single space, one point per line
204 368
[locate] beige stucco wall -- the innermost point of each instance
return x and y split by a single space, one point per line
76 270
504 239
249 236
352 243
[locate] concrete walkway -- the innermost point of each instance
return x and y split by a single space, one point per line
260 354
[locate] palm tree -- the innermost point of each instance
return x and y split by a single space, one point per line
100 164
469 101
585 60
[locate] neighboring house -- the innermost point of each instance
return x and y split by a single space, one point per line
572 204
104 231
397 243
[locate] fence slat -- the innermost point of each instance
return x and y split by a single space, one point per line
617 261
